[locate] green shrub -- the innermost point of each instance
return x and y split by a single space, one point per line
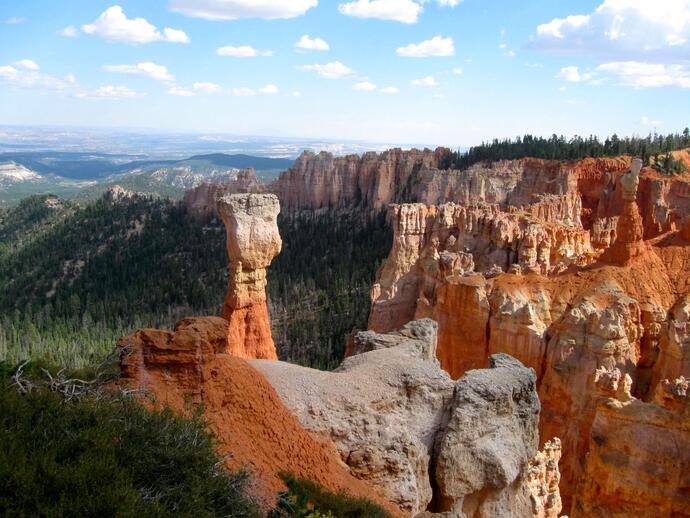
108 456
306 499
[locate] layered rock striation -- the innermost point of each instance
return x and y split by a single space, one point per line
253 241
539 290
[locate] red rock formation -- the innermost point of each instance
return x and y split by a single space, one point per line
191 368
543 481
626 313
252 243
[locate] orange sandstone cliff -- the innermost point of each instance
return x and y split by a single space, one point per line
606 293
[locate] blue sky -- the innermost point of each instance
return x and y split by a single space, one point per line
406 71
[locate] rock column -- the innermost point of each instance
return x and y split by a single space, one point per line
629 230
252 243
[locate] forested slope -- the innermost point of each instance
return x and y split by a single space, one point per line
77 277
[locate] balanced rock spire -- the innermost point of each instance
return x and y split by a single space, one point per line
253 241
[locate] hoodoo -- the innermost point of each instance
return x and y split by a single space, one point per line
253 240
629 229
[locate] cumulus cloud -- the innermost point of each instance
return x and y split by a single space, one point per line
236 9
646 75
22 76
424 81
628 29
403 11
206 87
113 25
146 69
243 92
69 32
438 46
251 92
572 75
108 92
297 93
180 91
389 90
307 43
458 71
28 64
365 86
333 70
242 51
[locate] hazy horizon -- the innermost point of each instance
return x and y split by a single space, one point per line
433 72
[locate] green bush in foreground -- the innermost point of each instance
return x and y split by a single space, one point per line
306 499
108 456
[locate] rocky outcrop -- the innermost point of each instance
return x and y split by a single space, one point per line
201 200
252 243
117 194
638 462
399 421
190 369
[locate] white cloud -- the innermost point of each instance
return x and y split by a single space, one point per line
503 46
15 20
24 77
243 51
646 121
425 81
333 70
69 32
389 90
509 54
236 9
296 93
206 87
108 92
180 91
29 64
307 43
458 71
113 25
403 11
269 89
534 65
572 75
243 92
175 36
146 69
435 47
647 75
365 86
632 29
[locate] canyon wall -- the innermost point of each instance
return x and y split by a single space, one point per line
523 281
